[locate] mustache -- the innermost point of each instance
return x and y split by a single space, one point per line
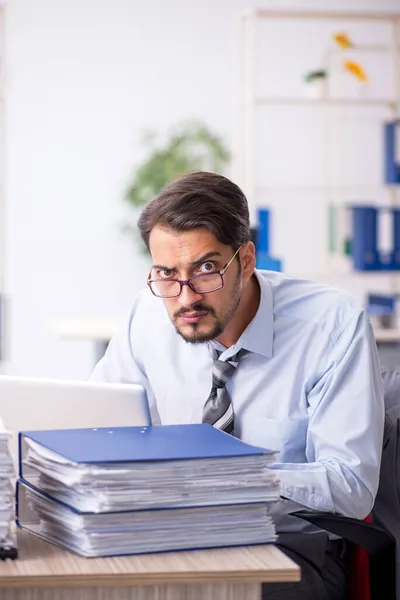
195 308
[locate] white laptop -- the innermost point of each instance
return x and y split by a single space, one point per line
31 403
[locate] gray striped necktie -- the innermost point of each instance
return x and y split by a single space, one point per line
218 409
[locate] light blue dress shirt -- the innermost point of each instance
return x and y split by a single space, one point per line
309 387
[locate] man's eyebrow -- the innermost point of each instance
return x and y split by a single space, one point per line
194 263
205 257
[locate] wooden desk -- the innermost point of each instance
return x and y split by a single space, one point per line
383 336
45 572
98 331
102 330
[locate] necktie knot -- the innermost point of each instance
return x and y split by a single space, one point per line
223 369
233 360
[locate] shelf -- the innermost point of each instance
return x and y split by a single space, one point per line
386 335
319 14
363 48
290 188
286 101
342 186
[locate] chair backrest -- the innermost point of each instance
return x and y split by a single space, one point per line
386 511
391 387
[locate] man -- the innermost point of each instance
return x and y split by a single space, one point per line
277 361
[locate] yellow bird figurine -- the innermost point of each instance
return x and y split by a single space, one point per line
343 40
356 70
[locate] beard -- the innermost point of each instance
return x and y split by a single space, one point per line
196 333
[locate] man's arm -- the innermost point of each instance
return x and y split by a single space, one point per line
118 365
344 439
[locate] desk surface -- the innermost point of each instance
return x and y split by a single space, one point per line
43 565
86 329
387 335
104 329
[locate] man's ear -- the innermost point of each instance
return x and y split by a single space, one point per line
248 259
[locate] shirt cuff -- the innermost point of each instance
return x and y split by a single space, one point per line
315 494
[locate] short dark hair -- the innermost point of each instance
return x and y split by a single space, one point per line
200 199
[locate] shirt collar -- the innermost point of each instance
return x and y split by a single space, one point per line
258 336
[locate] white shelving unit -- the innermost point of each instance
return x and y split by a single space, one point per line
249 102
3 332
332 189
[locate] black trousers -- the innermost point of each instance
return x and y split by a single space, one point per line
324 568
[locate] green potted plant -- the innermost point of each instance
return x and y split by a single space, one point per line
190 146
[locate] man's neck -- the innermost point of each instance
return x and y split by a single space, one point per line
245 313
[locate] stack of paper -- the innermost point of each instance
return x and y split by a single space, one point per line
145 489
7 538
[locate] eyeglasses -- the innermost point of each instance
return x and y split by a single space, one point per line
205 283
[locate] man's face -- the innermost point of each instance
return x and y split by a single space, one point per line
197 317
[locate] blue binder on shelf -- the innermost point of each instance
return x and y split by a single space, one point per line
264 260
392 152
365 251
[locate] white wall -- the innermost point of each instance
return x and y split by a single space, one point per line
83 79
